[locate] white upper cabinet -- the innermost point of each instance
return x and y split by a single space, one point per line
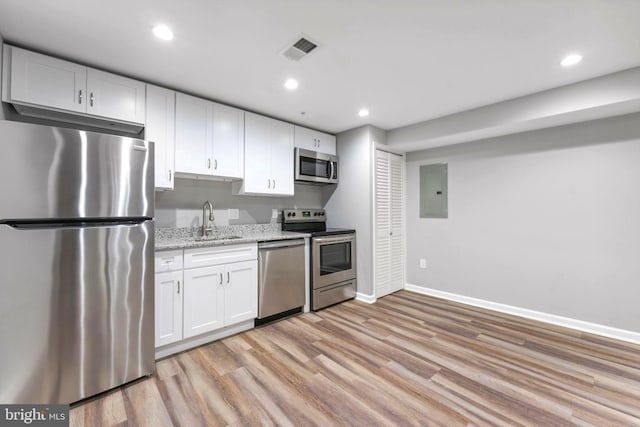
160 129
268 168
209 138
42 80
115 96
316 141
282 161
193 134
228 141
37 83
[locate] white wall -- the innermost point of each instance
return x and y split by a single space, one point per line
349 204
546 220
182 207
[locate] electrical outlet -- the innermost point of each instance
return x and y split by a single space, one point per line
423 263
274 213
234 214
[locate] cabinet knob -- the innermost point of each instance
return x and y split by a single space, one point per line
80 96
91 99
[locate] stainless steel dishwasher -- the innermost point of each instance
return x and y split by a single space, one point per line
281 274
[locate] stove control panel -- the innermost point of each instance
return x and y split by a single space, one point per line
304 215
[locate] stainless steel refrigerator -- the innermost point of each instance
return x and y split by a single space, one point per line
76 262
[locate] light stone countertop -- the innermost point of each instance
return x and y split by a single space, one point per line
186 238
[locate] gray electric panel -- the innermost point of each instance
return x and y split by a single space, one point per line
433 191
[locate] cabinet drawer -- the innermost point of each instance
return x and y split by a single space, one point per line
168 261
203 257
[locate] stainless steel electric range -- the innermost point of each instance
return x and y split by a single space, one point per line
333 256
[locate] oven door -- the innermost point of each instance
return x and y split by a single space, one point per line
334 259
316 167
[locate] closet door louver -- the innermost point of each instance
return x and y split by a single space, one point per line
389 223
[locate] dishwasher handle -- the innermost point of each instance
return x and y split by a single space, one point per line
280 244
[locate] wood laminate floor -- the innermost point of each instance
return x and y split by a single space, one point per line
409 359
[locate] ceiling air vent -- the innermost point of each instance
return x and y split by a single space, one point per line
299 49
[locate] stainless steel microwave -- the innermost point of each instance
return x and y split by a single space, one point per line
314 167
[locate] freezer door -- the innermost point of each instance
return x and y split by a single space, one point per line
57 173
76 310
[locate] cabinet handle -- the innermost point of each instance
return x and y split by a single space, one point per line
215 164
220 278
228 277
91 99
208 163
268 183
169 175
178 286
80 96
274 184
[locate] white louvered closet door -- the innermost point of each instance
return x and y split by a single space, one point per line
389 225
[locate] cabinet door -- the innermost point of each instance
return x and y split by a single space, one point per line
160 129
282 158
241 293
203 300
326 143
257 150
168 307
115 97
194 118
48 82
315 141
228 141
305 138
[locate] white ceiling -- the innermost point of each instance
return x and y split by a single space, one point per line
406 61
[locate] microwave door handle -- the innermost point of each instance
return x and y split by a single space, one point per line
332 170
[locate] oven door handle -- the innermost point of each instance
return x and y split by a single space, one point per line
333 239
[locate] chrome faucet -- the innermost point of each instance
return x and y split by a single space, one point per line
206 228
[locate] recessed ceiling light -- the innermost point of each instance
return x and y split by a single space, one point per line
363 112
570 60
291 84
163 32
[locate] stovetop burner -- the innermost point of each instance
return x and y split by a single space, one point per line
312 221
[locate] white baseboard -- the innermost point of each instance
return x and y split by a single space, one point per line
369 299
580 325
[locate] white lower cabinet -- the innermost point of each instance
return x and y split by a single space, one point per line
215 287
203 300
168 301
169 288
241 293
